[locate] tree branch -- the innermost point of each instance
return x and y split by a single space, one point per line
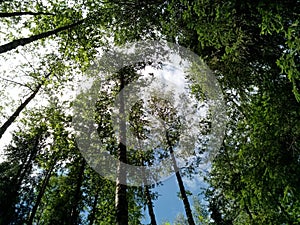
24 41
12 14
16 83
17 112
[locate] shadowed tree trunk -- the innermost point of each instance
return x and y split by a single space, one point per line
41 192
75 212
148 196
150 205
171 124
184 197
121 202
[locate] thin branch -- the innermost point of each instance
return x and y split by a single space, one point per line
15 82
29 63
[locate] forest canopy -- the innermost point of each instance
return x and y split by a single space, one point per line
251 47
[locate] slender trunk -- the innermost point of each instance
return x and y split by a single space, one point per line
24 41
26 167
77 196
148 195
184 197
41 192
13 117
11 14
150 205
121 203
94 209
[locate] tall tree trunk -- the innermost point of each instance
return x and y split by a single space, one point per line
150 205
24 41
148 195
27 164
41 192
121 203
184 197
13 117
77 196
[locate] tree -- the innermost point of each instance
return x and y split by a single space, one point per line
121 199
41 191
164 110
138 124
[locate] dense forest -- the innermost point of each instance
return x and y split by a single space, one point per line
252 48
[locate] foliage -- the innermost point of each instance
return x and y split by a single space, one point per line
253 48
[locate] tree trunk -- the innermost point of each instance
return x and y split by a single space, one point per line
121 202
27 165
150 205
77 196
184 197
24 41
41 192
13 117
148 196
